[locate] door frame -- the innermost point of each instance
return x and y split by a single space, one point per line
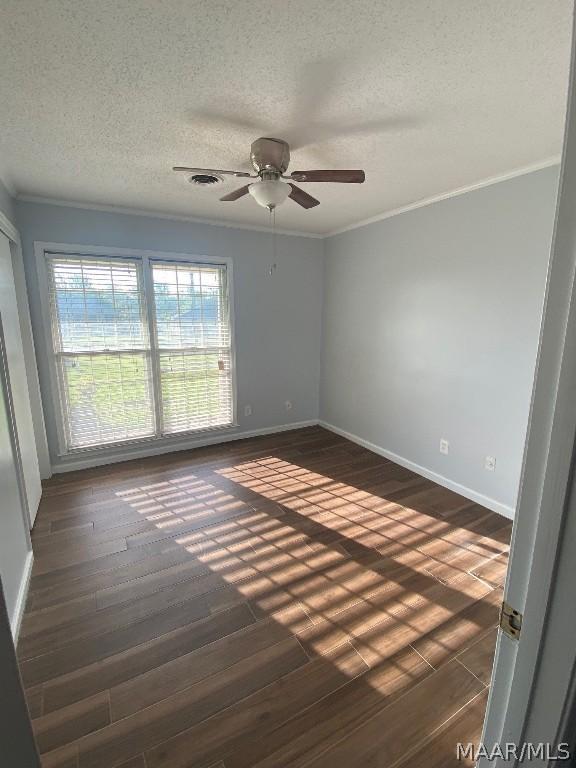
532 692
6 389
8 229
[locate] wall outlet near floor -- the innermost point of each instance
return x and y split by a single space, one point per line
444 446
490 463
247 410
288 405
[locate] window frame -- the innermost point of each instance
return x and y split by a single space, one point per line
43 250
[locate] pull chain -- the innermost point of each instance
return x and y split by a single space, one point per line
273 228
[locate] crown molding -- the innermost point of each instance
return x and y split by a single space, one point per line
126 211
551 161
548 163
7 183
9 228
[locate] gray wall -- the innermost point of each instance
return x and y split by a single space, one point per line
430 330
277 317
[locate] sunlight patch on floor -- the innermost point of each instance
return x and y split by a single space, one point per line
355 588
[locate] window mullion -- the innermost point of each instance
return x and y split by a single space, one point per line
153 342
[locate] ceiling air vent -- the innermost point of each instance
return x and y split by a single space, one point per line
205 179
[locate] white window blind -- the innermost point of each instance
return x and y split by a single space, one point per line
193 341
101 350
142 349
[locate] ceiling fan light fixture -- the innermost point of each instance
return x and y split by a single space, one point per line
269 194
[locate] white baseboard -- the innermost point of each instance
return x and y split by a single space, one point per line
478 498
16 619
96 460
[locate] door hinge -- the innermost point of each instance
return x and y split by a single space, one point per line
510 620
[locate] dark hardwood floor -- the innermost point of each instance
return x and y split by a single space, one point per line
292 600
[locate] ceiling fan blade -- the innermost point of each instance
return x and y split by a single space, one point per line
242 174
302 198
344 177
231 196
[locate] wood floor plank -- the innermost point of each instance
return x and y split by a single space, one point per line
494 571
479 658
34 700
77 556
38 620
59 574
105 619
154 724
68 724
312 730
74 538
292 599
135 762
450 565
64 757
64 525
293 616
188 524
380 613
146 585
80 653
62 517
395 730
126 656
406 627
464 727
185 670
41 527
275 704
115 577
441 643
394 623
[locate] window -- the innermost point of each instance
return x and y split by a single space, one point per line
142 347
193 342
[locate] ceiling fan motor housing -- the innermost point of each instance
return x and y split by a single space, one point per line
270 155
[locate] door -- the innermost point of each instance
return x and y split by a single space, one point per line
532 688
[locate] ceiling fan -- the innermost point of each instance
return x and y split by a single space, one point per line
270 158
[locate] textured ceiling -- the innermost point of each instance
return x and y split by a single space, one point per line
101 97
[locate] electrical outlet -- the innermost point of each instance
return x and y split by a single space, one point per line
444 446
288 405
247 410
490 463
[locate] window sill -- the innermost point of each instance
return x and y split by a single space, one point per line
164 440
